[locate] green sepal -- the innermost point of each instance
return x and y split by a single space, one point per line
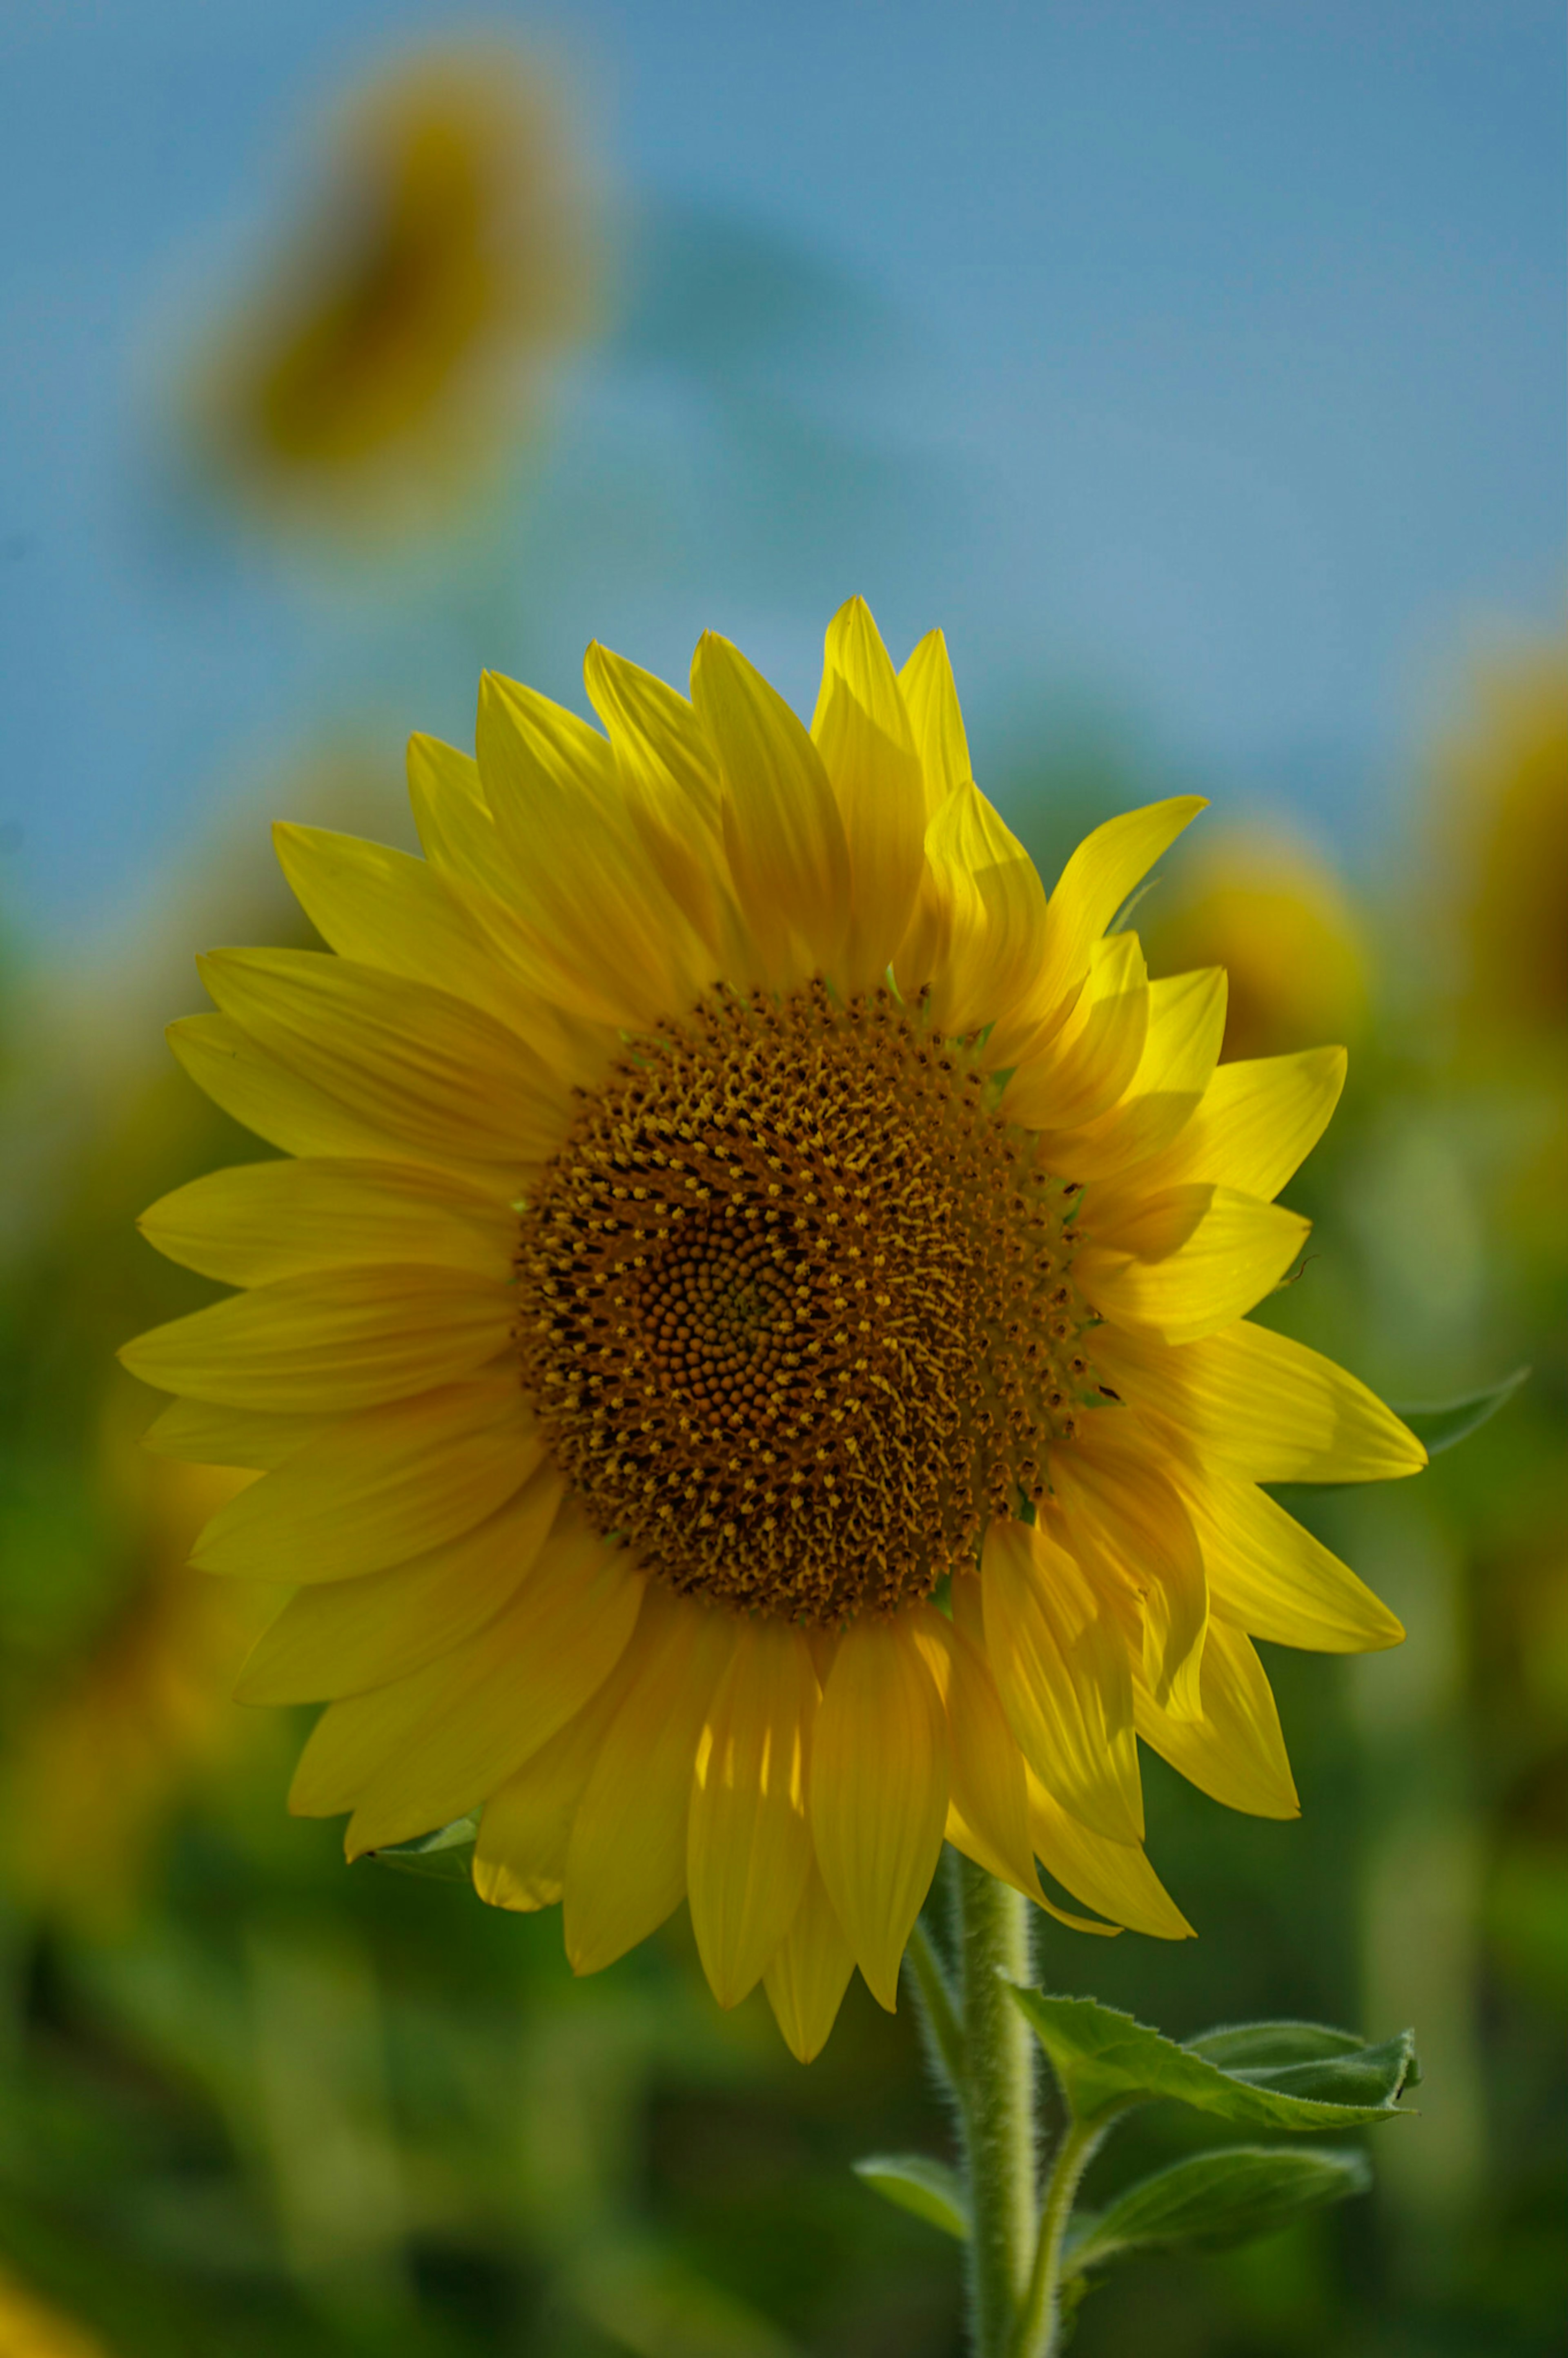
444 1857
1228 2196
1312 2078
1440 1428
919 2183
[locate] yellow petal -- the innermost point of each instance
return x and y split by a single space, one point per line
654 733
978 932
1092 887
410 1062
749 1840
626 1858
1236 1250
202 1433
809 1973
862 733
385 909
380 1488
520 1858
1271 1577
461 840
1235 1751
333 1340
578 873
1115 1877
1090 1059
879 1793
341 1636
265 1220
988 1807
266 1096
1186 1026
782 829
414 1755
1256 1123
936 720
1262 1405
1060 1668
1125 1513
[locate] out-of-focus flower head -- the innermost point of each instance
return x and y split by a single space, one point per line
1503 887
1269 910
399 343
124 1731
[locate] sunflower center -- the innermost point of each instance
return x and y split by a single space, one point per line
795 1306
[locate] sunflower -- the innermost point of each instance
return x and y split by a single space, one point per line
401 339
749 1356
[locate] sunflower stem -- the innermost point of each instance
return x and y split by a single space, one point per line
938 2009
1039 2316
997 2107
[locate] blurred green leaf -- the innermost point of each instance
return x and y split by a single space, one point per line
1318 2079
1228 2196
444 1857
917 2182
1440 1428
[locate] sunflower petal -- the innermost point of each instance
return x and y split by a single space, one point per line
1092 887
782 829
1060 1669
1181 1048
414 1064
879 1793
1234 1252
259 1221
379 1489
263 1095
201 1433
341 1637
1275 1580
420 1752
809 1971
1262 1405
520 1858
626 1857
1087 1064
1115 1878
333 1340
936 720
1234 1750
1254 1124
862 733
748 1838
1124 1512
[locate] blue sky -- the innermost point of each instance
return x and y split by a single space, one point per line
1203 362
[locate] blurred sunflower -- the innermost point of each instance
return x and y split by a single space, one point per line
130 1724
1505 781
748 1351
29 2328
1279 921
401 344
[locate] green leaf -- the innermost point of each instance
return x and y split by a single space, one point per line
917 2182
445 1856
1440 1428
1224 2197
1316 2078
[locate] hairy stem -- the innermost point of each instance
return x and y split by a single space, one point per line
1039 2315
997 2105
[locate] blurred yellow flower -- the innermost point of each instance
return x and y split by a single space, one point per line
746 1345
125 1730
1280 923
401 343
29 2328
1505 889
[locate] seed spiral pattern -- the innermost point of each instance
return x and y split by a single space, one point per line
795 1306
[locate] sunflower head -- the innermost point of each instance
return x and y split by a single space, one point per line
400 342
746 1345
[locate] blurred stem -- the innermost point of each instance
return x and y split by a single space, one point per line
996 2098
937 2002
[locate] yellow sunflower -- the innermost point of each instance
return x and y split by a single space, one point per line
749 1356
